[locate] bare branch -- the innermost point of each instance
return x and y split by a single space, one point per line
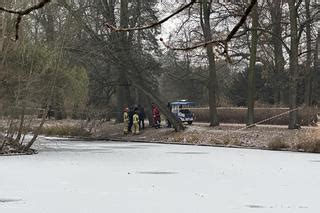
114 28
220 41
203 44
8 10
241 22
24 12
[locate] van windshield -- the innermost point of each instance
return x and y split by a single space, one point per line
185 111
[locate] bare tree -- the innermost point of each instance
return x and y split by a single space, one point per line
293 8
276 14
308 79
253 56
205 9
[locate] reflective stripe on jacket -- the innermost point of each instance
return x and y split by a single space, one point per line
125 117
135 118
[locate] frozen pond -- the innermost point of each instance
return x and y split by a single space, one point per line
71 176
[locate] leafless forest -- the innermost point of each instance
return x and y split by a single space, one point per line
90 59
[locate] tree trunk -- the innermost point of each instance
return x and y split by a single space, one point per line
276 13
49 24
212 84
4 46
37 131
123 90
308 79
21 125
251 74
293 64
316 69
3 26
123 94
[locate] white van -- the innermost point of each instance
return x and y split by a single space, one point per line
181 110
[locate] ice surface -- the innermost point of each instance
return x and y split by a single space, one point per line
73 176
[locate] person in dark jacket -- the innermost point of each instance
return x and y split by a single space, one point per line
130 113
141 116
50 112
170 108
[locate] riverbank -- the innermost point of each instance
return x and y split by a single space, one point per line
267 137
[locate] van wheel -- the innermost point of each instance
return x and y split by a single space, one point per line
189 122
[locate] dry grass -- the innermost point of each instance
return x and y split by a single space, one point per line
235 142
65 130
226 140
200 138
278 143
192 138
238 115
217 141
309 146
309 142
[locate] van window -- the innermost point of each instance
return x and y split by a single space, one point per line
185 111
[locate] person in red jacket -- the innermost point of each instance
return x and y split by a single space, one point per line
156 116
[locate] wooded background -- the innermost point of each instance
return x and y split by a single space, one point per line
90 57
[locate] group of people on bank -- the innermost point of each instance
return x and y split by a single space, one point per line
133 118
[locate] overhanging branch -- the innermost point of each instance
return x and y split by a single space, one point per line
219 41
114 28
24 12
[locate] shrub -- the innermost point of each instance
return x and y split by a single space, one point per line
277 143
310 145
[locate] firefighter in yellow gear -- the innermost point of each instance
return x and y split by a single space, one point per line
125 120
135 123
